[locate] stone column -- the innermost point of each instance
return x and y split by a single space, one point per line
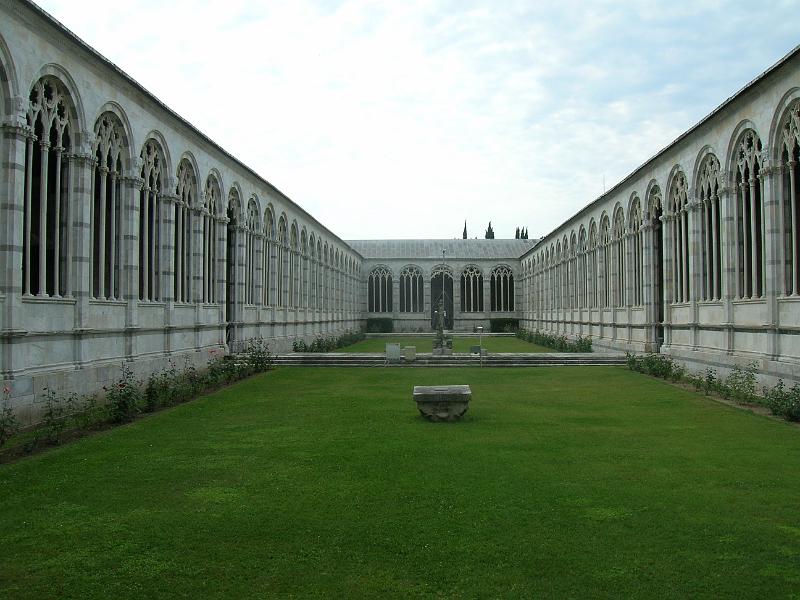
199 213
14 135
167 265
648 284
221 276
668 266
695 267
727 209
79 202
772 235
130 190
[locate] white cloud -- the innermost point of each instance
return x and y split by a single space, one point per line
401 119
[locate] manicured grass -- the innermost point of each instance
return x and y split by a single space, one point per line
460 344
562 482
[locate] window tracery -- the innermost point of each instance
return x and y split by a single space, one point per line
411 290
183 248
636 253
710 245
790 196
210 233
502 289
471 289
150 221
619 258
678 206
252 229
379 292
46 247
749 222
106 244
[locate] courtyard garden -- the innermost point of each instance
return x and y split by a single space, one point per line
584 482
460 344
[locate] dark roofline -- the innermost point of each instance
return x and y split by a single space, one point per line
633 174
41 13
532 241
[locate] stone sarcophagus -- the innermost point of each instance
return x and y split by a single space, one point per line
442 402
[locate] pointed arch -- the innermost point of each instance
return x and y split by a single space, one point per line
54 125
471 289
183 248
379 290
708 182
212 204
9 83
151 220
501 289
618 256
678 213
786 146
636 252
112 155
747 186
252 237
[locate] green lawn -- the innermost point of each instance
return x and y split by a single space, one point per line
566 482
460 344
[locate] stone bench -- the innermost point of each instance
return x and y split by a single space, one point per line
442 402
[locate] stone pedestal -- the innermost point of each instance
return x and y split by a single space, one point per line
442 402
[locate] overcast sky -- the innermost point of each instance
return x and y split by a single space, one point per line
402 119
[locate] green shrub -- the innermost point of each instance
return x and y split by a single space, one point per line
740 384
54 418
124 397
257 355
8 421
784 403
504 325
328 343
560 343
379 325
709 381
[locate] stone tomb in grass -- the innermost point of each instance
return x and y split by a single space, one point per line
442 402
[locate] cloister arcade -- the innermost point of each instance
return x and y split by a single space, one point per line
707 273
128 236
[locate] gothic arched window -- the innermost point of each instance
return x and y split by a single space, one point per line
268 255
749 218
281 271
106 208
594 267
210 217
186 192
471 289
790 196
294 268
619 258
45 258
252 234
605 243
582 268
411 290
502 289
636 252
379 293
710 243
150 235
678 200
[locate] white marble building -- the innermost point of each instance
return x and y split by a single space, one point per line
697 252
404 280
126 235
